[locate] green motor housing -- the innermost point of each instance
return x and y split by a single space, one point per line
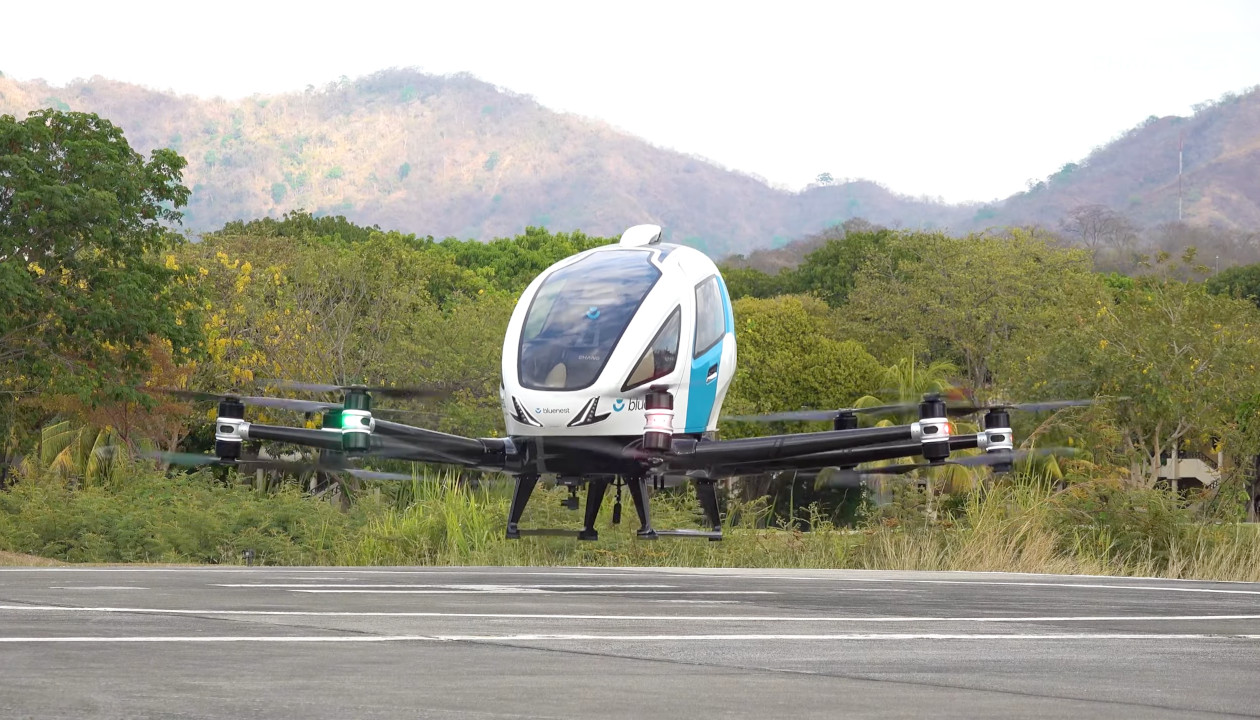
356 422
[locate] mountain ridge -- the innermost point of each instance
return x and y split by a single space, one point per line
455 156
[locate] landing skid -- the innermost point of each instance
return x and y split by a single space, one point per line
596 487
714 535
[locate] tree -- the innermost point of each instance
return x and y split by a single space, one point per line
512 263
387 309
1218 247
1242 281
751 282
159 421
1107 234
906 382
1184 359
790 357
830 271
977 301
84 221
299 224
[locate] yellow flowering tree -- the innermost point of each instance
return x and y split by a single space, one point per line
1184 359
379 308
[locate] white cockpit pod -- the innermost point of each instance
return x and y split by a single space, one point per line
578 316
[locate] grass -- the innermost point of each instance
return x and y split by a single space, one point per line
1096 528
12 559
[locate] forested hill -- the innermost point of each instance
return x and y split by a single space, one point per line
454 156
1136 173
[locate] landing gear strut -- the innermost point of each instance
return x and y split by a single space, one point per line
706 493
618 484
520 496
639 495
594 498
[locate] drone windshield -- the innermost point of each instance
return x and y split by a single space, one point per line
661 356
577 317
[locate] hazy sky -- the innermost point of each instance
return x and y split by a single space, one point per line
961 100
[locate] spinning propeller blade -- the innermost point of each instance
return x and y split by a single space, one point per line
302 406
378 475
289 466
416 391
1043 406
294 404
953 408
814 415
852 477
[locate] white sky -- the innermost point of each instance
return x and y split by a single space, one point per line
955 99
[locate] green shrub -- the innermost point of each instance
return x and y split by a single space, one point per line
152 518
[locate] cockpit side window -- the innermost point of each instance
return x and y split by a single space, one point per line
710 315
660 357
578 315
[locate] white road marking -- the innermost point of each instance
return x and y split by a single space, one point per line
311 577
459 586
662 618
1104 586
846 575
349 573
517 590
624 572
613 638
699 602
672 572
579 571
96 587
493 571
139 569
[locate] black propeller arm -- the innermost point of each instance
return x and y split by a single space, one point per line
783 448
321 439
433 446
418 445
847 456
387 440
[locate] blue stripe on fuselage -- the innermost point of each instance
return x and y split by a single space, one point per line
726 305
701 395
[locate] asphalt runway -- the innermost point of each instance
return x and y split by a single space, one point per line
619 643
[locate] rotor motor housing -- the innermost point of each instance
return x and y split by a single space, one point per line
997 436
933 429
356 422
658 432
228 429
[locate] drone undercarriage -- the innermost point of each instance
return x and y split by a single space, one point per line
636 485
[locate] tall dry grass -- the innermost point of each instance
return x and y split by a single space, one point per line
1021 525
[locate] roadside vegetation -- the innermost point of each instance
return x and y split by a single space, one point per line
1022 524
105 301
